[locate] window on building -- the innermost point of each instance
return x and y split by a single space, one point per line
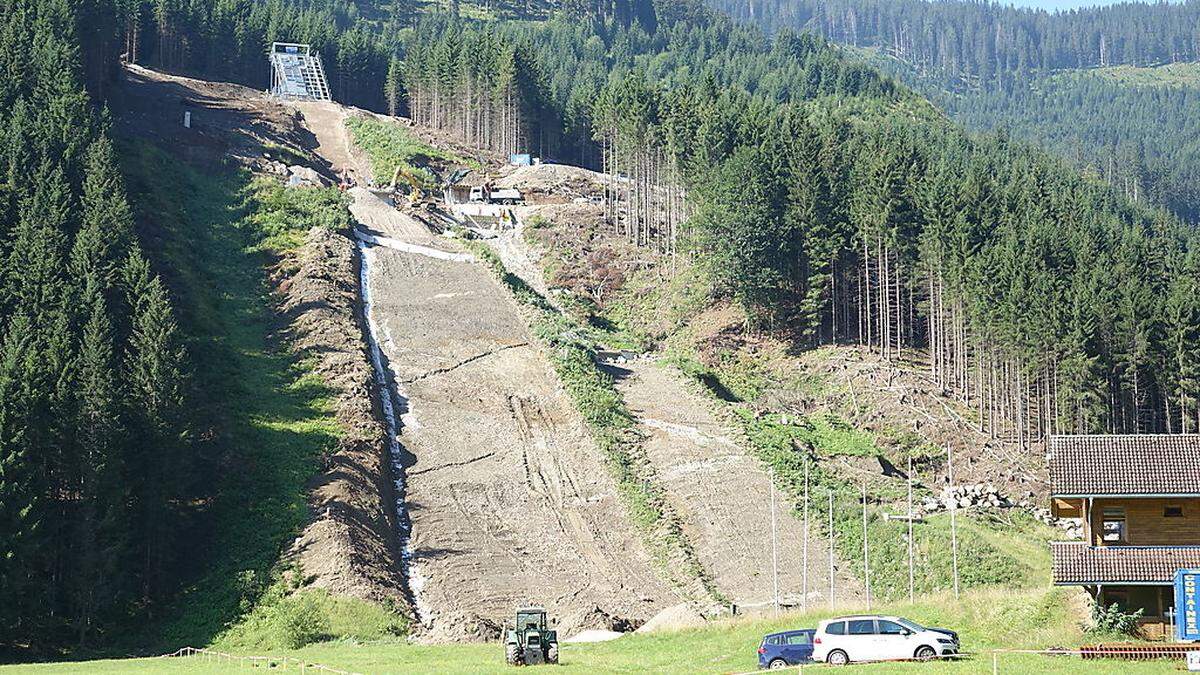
1112 525
1172 512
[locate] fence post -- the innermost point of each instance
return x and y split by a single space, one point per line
953 519
995 666
910 529
832 539
804 594
774 546
866 555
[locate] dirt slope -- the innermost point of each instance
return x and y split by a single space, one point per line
508 500
724 494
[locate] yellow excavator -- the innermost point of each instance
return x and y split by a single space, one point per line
417 197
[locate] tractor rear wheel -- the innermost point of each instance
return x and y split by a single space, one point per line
552 654
510 654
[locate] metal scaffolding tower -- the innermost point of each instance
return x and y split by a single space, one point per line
297 73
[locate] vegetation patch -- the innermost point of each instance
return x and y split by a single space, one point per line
992 549
389 145
270 416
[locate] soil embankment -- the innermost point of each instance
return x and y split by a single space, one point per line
508 499
350 546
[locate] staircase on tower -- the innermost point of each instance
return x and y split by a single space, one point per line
297 73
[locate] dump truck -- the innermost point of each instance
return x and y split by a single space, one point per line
485 194
530 641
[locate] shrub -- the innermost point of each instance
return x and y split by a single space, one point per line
300 621
1112 619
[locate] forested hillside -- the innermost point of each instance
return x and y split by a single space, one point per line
990 45
828 203
94 438
994 67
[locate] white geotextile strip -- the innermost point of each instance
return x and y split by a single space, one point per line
416 582
396 244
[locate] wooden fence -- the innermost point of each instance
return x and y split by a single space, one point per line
241 661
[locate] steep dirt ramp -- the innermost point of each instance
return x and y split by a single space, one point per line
326 120
508 499
724 495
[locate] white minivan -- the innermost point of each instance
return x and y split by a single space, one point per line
879 638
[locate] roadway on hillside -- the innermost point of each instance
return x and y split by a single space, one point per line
507 495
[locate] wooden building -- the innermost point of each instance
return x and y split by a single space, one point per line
1139 499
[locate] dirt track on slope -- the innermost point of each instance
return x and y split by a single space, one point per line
724 495
508 498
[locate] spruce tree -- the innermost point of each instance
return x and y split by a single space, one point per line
101 525
154 376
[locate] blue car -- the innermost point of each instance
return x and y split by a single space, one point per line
789 648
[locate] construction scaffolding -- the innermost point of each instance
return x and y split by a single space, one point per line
297 73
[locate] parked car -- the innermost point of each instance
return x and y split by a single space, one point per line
789 648
879 638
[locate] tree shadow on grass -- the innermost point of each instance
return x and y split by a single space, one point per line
263 421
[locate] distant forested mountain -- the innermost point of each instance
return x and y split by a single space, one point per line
1039 76
990 44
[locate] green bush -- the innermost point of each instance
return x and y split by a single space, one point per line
1112 619
300 621
280 216
389 145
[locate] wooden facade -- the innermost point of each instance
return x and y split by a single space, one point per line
1138 497
1147 521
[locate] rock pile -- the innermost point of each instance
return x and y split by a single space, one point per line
978 495
1072 527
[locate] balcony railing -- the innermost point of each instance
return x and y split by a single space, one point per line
1077 563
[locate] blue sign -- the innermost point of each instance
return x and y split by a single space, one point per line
1187 605
522 159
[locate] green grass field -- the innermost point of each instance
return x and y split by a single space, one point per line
986 619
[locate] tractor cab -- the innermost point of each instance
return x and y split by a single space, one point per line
531 640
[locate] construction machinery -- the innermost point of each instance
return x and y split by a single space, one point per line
417 196
486 194
531 641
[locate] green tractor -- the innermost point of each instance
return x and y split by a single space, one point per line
531 641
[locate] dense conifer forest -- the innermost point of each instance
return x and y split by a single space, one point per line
990 45
828 201
94 442
994 67
831 203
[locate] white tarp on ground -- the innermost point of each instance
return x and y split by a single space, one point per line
398 245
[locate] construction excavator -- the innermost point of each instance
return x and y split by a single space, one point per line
417 196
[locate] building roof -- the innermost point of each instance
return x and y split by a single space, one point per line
1131 464
1074 562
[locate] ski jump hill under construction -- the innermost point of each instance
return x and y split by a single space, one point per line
297 73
